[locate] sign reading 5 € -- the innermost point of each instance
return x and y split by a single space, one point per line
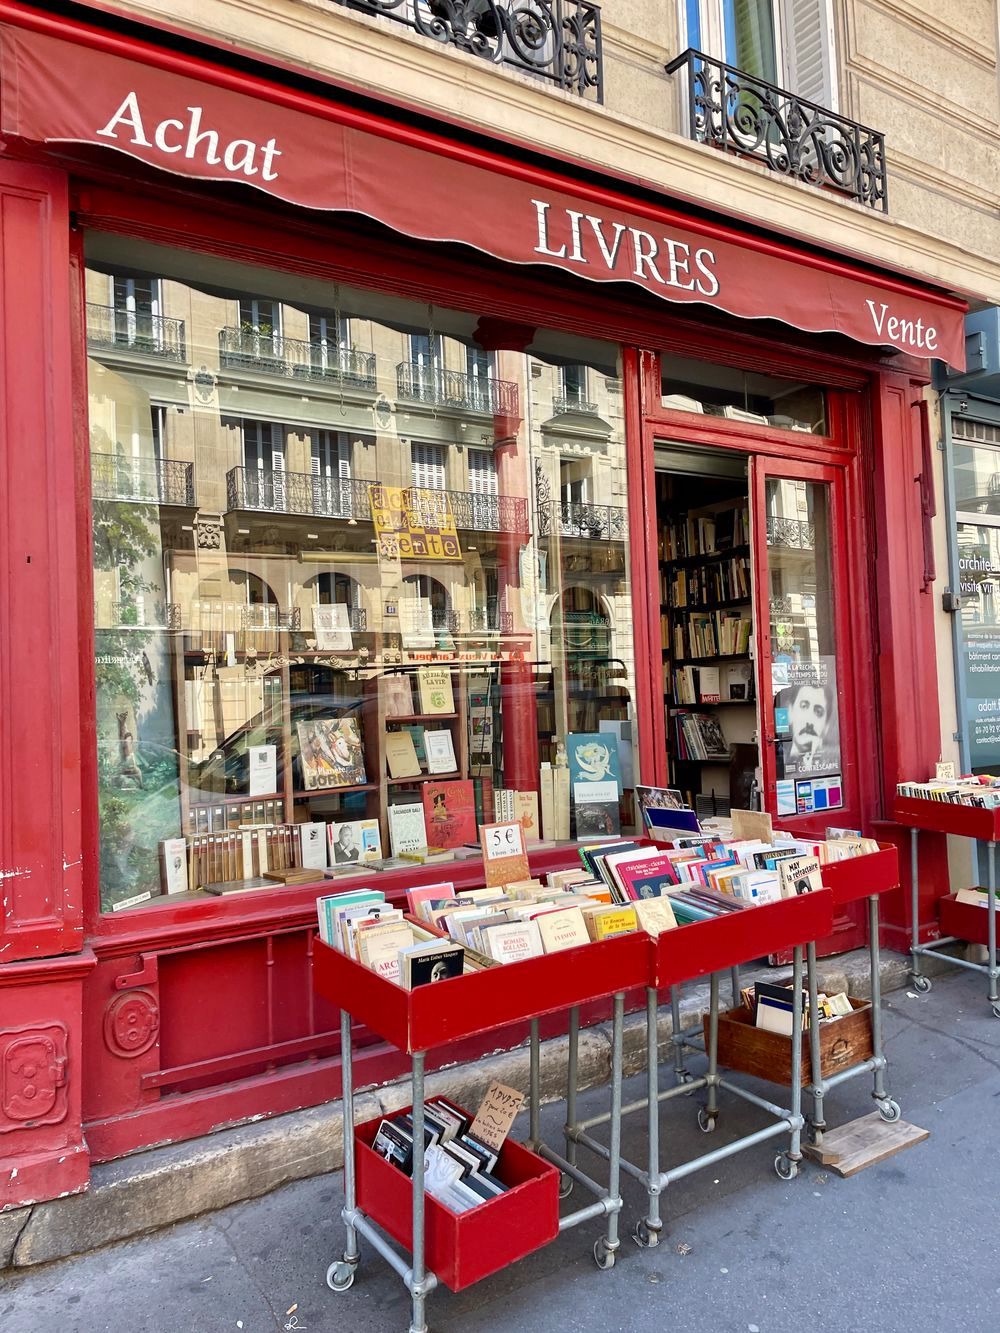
421 521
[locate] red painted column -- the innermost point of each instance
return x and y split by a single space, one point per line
42 961
512 453
906 664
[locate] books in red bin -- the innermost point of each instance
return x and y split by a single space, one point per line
649 878
450 813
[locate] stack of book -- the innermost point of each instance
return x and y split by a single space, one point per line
700 736
979 792
364 926
459 1169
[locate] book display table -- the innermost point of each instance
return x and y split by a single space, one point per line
462 1248
963 922
849 882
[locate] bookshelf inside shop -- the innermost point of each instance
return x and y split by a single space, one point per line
706 624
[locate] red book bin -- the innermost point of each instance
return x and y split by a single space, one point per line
462 1248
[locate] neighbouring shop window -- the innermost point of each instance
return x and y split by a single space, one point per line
741 395
345 561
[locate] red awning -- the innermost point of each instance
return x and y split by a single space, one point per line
300 149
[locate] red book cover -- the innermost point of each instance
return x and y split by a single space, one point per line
450 813
655 868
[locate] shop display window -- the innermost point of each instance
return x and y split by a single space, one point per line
743 395
361 578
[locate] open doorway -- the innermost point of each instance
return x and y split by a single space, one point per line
710 687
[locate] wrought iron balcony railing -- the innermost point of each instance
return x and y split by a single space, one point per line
113 329
268 353
570 403
453 388
141 613
164 481
349 498
742 114
555 40
598 522
791 533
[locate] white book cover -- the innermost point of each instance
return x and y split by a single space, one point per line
332 628
263 769
512 942
313 837
407 830
175 876
356 840
440 751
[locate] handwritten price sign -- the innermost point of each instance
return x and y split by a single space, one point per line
504 857
496 1115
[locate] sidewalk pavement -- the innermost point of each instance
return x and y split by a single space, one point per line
908 1244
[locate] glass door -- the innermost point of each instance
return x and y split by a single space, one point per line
807 714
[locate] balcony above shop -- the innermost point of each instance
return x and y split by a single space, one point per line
348 498
564 403
264 353
110 329
742 114
162 481
455 390
558 41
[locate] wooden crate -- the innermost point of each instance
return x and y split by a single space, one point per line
768 1055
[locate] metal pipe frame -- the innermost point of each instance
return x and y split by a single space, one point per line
989 969
876 1065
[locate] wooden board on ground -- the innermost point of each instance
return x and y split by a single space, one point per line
864 1142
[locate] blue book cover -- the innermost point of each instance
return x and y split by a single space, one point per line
595 782
670 822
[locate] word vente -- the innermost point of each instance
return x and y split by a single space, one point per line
187 137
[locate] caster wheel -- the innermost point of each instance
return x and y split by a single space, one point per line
996 1010
682 1076
566 1184
813 1133
603 1257
340 1275
922 984
706 1121
785 1167
889 1111
644 1236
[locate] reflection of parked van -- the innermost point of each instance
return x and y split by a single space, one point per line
316 692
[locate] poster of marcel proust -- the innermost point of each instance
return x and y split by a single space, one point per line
806 718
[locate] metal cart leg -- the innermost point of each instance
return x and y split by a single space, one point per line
817 1123
418 1323
606 1246
340 1274
534 1093
991 925
572 1076
787 1164
647 1232
680 1068
920 982
887 1108
709 1113
734 981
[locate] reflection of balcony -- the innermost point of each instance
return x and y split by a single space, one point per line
558 41
112 329
350 498
597 522
139 613
453 388
742 114
165 481
563 403
272 354
793 534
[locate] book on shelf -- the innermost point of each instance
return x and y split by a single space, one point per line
407 830
436 695
331 753
398 695
263 764
354 840
595 782
415 731
440 750
700 736
401 755
450 813
527 813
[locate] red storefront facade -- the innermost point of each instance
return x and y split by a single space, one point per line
120 1030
